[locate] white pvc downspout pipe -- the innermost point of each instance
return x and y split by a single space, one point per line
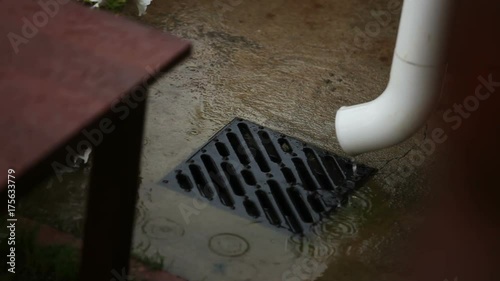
414 87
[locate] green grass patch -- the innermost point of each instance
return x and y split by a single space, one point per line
36 263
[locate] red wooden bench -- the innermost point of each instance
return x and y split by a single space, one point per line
72 75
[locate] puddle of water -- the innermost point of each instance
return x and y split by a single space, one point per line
200 242
267 80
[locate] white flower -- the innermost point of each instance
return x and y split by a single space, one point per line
142 5
96 3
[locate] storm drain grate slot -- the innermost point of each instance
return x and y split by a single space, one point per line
267 176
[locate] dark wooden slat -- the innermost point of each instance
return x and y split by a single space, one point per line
64 79
68 75
111 200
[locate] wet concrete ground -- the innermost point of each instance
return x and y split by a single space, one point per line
287 65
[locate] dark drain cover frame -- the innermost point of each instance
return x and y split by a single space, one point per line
267 176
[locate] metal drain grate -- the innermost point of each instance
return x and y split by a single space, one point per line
267 176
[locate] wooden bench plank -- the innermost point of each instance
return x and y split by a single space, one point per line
68 74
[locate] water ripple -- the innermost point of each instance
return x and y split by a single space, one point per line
162 228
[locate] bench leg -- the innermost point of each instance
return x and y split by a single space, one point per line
111 200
